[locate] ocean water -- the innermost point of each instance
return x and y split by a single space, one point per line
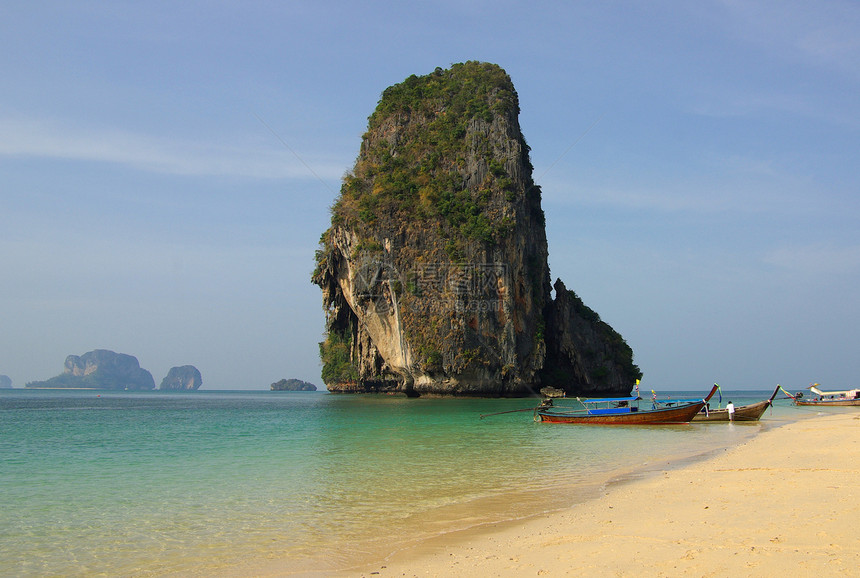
228 483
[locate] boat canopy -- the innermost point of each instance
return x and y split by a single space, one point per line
850 393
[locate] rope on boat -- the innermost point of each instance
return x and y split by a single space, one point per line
544 404
509 411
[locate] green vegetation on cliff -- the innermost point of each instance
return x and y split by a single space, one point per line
415 154
336 359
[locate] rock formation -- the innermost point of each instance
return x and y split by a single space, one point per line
293 385
582 349
434 271
100 369
184 378
5 382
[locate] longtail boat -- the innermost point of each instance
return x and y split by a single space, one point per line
620 411
829 398
751 412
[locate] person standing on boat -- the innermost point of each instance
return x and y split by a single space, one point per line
731 409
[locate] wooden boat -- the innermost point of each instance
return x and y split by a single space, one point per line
751 412
829 398
620 411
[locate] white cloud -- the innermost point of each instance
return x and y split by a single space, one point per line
264 159
816 260
737 185
820 33
735 102
806 57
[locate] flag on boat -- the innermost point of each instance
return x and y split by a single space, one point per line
782 389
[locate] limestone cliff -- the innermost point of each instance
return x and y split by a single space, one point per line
584 350
434 271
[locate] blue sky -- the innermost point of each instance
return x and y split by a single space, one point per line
166 171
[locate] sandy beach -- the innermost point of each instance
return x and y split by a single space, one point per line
784 503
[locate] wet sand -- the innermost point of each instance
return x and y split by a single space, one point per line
784 503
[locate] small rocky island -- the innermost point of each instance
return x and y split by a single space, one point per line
99 369
184 378
5 382
293 385
434 272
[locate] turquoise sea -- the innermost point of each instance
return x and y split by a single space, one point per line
231 483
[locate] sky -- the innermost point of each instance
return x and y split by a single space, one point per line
166 171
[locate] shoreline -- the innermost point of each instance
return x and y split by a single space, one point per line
782 501
569 495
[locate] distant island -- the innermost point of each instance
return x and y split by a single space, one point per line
5 382
108 370
293 385
184 378
99 369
